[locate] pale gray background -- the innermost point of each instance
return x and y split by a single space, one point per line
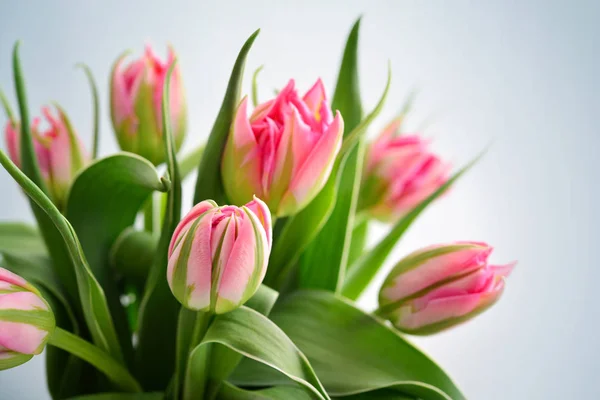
521 74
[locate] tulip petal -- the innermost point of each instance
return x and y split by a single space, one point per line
314 172
185 223
8 276
261 210
241 162
21 337
426 267
241 265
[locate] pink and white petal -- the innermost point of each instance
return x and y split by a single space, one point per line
189 219
262 212
315 96
240 267
25 301
199 266
433 270
21 337
314 172
10 277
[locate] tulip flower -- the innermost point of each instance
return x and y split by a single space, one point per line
400 172
26 320
58 150
218 255
284 152
136 105
441 286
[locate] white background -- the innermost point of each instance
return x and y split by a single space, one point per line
523 75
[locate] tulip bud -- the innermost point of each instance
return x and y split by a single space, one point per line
441 286
136 105
400 172
218 255
59 152
284 152
26 321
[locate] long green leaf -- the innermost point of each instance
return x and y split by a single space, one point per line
23 252
104 200
253 335
230 392
209 184
224 360
54 242
155 354
121 396
19 238
96 108
352 353
93 301
323 263
366 267
346 97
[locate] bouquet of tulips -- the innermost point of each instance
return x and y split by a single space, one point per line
251 293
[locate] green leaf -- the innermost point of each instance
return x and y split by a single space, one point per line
352 353
93 301
361 273
104 200
230 392
255 86
224 360
256 337
190 162
121 396
29 165
346 97
19 238
209 184
359 238
64 371
158 313
96 108
323 263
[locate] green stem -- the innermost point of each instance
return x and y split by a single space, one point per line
150 216
190 390
95 356
96 108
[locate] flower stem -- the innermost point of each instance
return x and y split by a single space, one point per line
83 349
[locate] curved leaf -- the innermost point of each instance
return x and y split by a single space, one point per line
93 301
230 392
208 184
256 337
362 272
121 396
132 254
19 238
155 354
96 108
352 353
103 200
346 97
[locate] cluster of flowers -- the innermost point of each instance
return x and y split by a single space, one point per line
276 160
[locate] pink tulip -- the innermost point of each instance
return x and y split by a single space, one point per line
441 286
26 320
284 152
400 172
218 255
136 105
59 152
